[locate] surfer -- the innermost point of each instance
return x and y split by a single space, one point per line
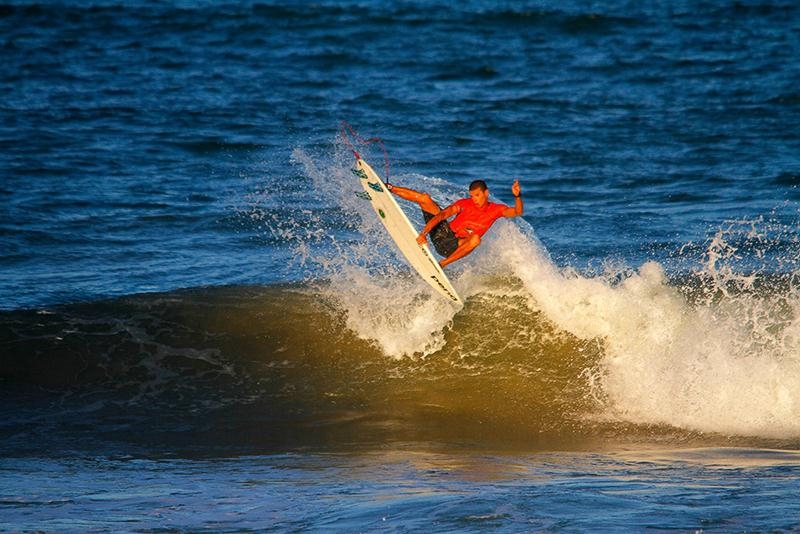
473 217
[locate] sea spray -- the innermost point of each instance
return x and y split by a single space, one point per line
366 278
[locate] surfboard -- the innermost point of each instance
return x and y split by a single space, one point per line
402 231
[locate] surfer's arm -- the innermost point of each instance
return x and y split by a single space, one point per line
518 208
444 214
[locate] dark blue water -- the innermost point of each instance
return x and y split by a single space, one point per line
132 134
194 302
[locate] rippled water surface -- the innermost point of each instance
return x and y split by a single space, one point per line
202 327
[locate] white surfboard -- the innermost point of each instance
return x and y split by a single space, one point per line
402 231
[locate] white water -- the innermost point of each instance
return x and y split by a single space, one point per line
728 363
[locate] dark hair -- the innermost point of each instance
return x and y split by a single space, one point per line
478 184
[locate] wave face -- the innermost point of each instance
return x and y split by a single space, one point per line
261 367
362 352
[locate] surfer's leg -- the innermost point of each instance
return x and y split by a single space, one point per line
465 246
423 199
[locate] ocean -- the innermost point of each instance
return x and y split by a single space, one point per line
204 328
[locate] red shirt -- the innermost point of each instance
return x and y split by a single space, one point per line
474 220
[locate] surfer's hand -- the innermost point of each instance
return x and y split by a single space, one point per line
421 239
515 190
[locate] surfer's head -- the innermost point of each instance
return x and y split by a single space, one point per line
478 192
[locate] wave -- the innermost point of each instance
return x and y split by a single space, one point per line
712 350
260 367
363 351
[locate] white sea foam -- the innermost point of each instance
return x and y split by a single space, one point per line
728 364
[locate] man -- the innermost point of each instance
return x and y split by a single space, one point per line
473 217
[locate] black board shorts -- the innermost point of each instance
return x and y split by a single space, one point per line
444 240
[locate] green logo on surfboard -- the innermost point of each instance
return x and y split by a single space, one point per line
358 172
